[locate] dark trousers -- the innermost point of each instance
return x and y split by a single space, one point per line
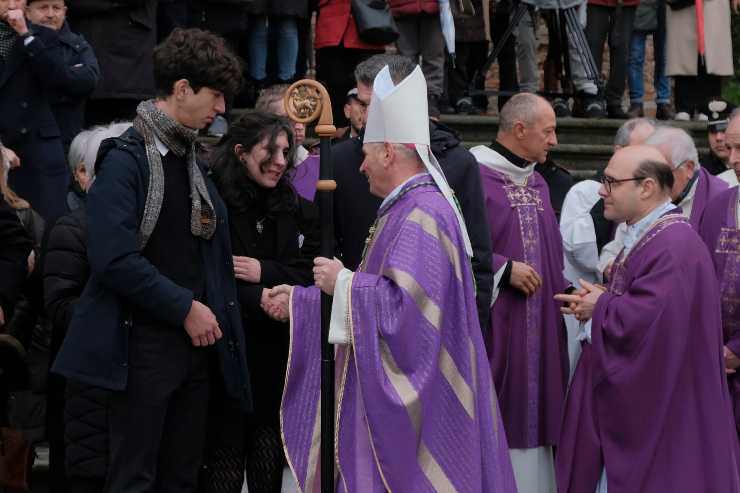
335 68
614 23
469 58
507 57
158 424
694 92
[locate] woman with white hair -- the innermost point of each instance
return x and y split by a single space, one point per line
66 271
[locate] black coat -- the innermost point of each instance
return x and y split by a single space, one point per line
77 414
282 261
223 17
123 34
713 164
72 82
28 126
558 182
15 246
294 8
123 281
355 208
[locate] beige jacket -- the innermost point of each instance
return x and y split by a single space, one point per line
681 39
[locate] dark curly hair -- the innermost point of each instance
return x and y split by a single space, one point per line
230 174
200 57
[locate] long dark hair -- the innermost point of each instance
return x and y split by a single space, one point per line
230 174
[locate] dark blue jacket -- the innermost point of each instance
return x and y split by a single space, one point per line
71 81
95 350
28 126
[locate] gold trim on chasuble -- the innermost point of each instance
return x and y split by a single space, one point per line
400 382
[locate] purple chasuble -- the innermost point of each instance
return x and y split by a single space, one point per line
305 176
707 187
415 403
527 340
721 232
649 399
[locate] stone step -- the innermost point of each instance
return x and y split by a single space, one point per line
569 131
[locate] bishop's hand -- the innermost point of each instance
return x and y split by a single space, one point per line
276 302
325 273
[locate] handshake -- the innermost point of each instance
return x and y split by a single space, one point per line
276 302
581 303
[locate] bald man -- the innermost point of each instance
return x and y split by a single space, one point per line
526 336
693 186
648 409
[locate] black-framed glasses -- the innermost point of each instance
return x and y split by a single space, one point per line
608 181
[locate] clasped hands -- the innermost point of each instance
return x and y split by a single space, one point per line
581 302
275 302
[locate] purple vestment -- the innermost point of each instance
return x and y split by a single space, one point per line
707 187
719 230
305 176
527 339
649 399
416 406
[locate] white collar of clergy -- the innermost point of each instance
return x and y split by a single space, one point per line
495 161
397 190
301 154
689 197
637 230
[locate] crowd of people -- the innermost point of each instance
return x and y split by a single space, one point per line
497 326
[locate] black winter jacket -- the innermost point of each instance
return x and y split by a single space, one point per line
123 35
15 245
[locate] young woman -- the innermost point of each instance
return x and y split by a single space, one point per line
274 237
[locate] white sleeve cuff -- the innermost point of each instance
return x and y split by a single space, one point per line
338 329
496 280
584 332
27 40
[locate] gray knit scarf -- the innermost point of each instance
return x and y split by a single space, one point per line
180 140
7 39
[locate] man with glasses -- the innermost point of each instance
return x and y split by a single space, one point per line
693 186
648 407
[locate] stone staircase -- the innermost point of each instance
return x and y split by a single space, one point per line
584 145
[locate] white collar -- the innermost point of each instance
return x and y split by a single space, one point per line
397 190
163 150
636 231
495 161
690 196
301 154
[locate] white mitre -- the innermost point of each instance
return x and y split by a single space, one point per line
399 114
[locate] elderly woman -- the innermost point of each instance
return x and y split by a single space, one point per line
81 414
274 237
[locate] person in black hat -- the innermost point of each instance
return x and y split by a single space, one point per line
716 161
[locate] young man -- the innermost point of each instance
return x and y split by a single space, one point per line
648 409
162 288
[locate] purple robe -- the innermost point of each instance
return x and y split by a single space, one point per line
416 406
305 176
649 399
719 230
707 187
527 339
